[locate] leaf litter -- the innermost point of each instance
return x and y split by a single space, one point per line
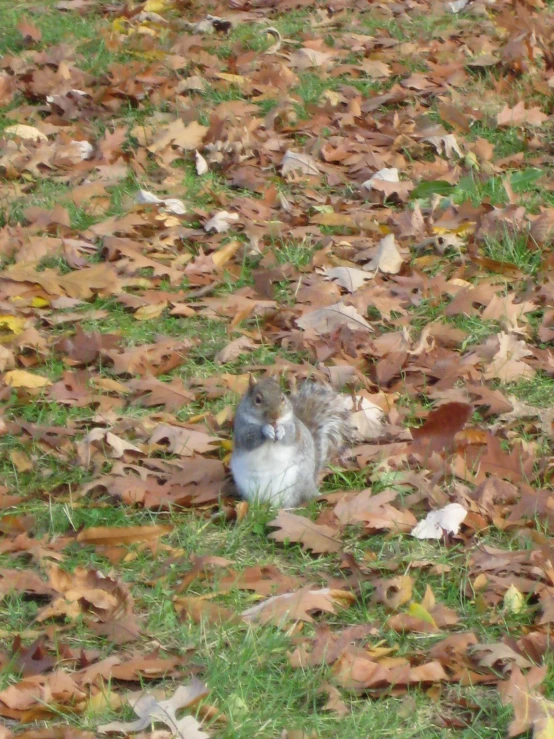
342 233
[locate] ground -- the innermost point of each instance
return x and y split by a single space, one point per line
361 194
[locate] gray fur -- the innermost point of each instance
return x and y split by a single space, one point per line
281 444
328 419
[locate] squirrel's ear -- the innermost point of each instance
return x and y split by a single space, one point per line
251 382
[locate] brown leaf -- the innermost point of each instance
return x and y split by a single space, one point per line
518 115
281 609
441 426
374 511
531 709
31 34
329 319
183 441
187 138
116 535
319 539
151 391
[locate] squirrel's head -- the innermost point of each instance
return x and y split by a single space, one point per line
267 402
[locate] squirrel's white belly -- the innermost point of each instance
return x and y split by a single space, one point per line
267 473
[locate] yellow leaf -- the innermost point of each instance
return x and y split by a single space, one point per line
105 700
514 600
146 30
465 228
225 253
110 386
157 6
234 79
119 26
148 312
39 302
20 460
15 324
22 378
418 611
480 582
226 444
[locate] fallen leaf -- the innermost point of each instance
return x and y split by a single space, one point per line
281 609
153 711
329 319
388 258
28 380
446 520
116 535
298 529
221 222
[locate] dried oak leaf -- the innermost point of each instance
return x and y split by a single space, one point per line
31 34
265 580
177 134
498 657
201 610
531 709
515 466
221 222
150 666
47 691
349 277
105 443
393 592
312 536
387 259
332 317
519 114
85 347
294 161
28 380
507 364
374 511
151 391
234 349
281 609
117 535
185 442
23 581
89 592
440 427
152 711
149 359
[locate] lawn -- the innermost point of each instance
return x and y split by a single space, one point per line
190 195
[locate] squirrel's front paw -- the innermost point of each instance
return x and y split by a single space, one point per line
279 432
268 431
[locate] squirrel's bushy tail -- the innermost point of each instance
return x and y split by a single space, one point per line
328 418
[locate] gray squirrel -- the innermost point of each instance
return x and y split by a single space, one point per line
281 444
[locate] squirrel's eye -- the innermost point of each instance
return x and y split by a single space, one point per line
257 400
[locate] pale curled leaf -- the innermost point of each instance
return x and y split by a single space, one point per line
151 711
445 520
366 416
388 174
221 222
298 161
387 259
329 319
22 131
281 609
201 164
349 277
